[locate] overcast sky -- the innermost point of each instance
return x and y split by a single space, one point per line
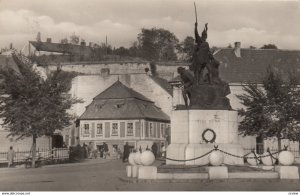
250 22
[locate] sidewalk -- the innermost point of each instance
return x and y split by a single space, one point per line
82 163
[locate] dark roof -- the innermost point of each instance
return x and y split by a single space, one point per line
163 83
119 102
122 109
120 91
253 63
63 48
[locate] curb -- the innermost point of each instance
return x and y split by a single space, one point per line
84 163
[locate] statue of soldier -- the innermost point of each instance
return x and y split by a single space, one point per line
201 54
188 80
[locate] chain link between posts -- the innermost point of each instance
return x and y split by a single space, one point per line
245 157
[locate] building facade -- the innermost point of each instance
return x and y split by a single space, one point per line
119 115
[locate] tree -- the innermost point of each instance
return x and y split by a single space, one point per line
31 106
157 44
269 46
64 41
188 47
74 39
153 69
121 51
273 109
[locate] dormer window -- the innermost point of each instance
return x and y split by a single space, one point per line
98 106
118 105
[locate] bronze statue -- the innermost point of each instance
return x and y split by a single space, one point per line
201 55
188 80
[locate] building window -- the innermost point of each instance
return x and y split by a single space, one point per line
130 129
86 129
115 129
99 129
151 129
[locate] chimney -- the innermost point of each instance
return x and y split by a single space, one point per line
237 49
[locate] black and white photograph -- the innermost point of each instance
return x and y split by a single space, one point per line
149 96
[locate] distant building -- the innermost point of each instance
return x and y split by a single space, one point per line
119 115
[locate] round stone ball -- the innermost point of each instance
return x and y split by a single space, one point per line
216 158
268 161
252 161
147 158
131 158
137 158
286 158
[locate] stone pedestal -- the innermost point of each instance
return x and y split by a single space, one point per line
187 140
147 172
128 170
218 173
288 172
135 170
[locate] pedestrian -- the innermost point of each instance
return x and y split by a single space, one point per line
85 152
126 152
90 150
10 156
154 149
105 148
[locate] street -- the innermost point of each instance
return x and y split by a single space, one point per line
110 175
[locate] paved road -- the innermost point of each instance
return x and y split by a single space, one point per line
105 175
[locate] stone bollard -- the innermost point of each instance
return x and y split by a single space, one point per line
286 171
147 171
216 159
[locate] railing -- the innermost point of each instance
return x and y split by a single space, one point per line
49 154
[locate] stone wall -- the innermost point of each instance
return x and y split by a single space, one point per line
21 145
166 72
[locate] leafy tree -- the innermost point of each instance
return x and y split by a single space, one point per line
269 46
31 106
157 44
121 51
74 39
188 47
153 69
64 41
134 50
273 109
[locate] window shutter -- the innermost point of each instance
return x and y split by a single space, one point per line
107 129
122 129
93 130
158 130
146 129
137 129
154 129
